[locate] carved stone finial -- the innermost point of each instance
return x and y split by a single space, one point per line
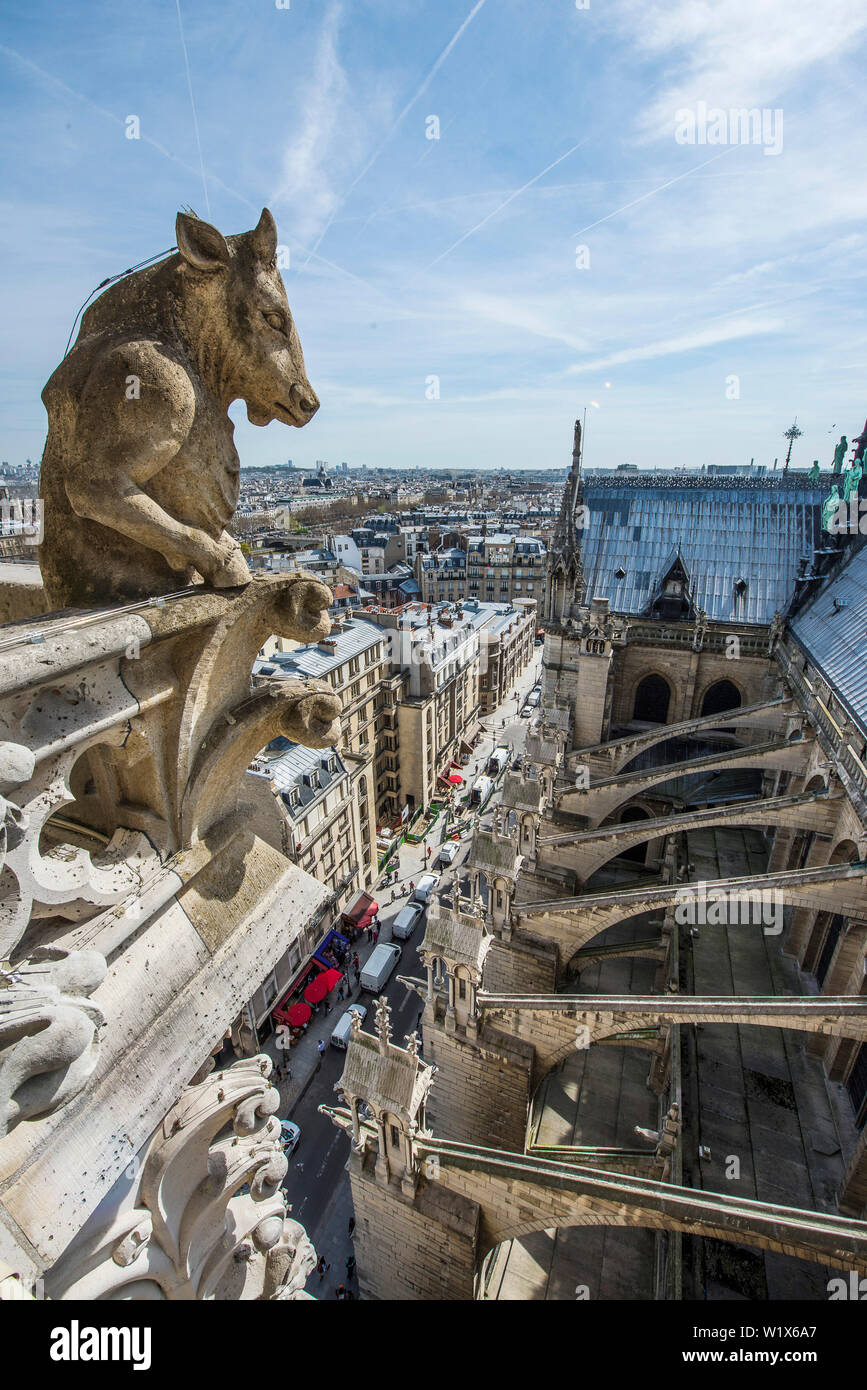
383 1022
49 1031
412 1043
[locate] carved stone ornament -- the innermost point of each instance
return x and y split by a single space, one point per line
209 1218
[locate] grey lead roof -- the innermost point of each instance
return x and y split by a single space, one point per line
726 529
836 637
287 763
314 660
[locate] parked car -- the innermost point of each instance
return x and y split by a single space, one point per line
448 851
406 920
526 711
342 1029
290 1136
425 886
379 965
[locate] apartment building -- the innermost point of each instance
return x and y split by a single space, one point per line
493 569
446 654
510 635
354 661
320 817
414 683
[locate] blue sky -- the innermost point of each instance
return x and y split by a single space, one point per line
456 258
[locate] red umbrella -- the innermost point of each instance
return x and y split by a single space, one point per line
298 1014
331 978
316 990
455 779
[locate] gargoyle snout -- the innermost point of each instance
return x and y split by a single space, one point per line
304 401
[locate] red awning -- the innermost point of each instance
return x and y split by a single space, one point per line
331 977
368 917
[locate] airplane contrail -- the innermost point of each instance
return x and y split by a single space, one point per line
110 115
644 196
505 203
396 124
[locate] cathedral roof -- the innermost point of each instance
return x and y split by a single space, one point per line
832 627
740 539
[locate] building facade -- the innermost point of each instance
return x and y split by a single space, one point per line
492 569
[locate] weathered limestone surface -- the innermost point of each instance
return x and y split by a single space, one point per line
139 911
525 966
483 1087
421 1248
139 728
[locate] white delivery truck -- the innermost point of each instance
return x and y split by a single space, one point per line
343 1027
406 921
481 791
497 761
379 965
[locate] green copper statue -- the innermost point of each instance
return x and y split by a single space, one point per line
829 507
851 479
840 453
814 472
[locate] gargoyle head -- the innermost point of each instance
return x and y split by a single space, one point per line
303 609
313 719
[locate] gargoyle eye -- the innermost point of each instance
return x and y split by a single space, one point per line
276 321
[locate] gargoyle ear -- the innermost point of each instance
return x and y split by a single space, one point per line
265 238
200 244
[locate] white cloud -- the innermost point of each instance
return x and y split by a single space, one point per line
324 140
734 53
687 342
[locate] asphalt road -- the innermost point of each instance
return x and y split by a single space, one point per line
317 1184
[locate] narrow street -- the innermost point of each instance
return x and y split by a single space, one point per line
317 1183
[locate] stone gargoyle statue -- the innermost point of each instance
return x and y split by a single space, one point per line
140 475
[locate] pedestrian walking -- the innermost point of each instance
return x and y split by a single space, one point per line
327 1003
340 992
351 1227
356 962
350 1267
320 1048
322 1268
340 1292
375 935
